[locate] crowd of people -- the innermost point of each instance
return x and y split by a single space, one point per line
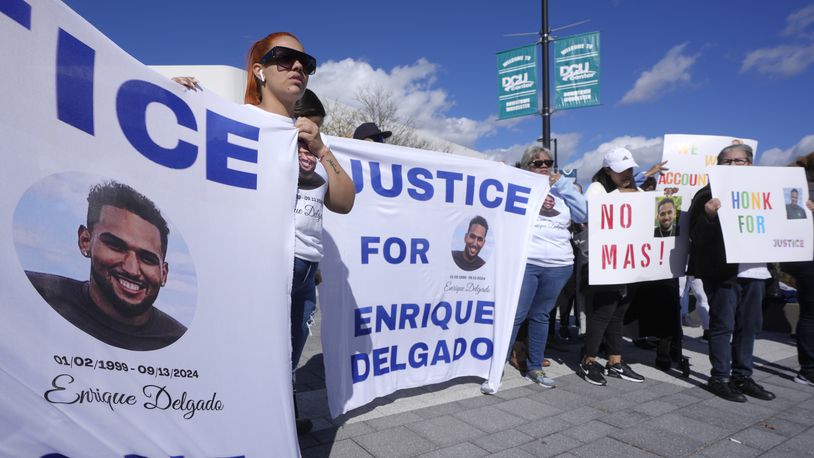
728 297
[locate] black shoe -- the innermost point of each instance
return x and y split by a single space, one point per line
565 333
724 389
644 343
804 379
623 371
304 425
557 345
748 386
685 366
663 363
592 373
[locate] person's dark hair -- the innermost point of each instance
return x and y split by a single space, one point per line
666 200
602 177
794 190
126 198
479 220
741 146
309 105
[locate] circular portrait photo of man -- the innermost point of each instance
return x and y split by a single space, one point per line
105 258
472 252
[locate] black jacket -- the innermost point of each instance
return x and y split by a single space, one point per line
707 253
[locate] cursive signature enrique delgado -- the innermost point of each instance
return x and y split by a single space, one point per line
469 287
158 397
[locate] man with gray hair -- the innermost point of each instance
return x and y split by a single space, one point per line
735 293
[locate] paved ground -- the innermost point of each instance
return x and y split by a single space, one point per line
666 415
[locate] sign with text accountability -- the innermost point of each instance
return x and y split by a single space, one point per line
689 157
576 71
146 247
517 82
635 236
763 214
421 279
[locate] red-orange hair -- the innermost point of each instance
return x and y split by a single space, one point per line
258 50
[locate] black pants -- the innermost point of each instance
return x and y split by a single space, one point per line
658 309
606 314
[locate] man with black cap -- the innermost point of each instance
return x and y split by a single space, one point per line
370 132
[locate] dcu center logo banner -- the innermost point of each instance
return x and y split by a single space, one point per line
421 279
146 247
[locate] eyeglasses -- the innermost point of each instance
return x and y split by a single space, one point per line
735 161
285 58
377 138
540 162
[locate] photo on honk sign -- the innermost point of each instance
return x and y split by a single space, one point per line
763 213
421 279
636 236
146 248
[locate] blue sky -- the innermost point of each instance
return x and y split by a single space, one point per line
715 67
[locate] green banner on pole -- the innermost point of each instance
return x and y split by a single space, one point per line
576 71
517 82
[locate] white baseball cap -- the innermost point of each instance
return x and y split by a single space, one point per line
619 159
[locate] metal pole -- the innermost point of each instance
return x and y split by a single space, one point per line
545 37
555 154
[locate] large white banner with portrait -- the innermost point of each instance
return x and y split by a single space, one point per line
763 213
421 279
146 246
635 236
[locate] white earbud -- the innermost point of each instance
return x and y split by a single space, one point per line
262 78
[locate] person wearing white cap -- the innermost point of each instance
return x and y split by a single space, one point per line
608 305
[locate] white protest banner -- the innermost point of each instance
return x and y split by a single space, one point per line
688 158
421 279
763 214
118 339
635 236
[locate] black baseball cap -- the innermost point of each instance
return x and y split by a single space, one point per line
370 130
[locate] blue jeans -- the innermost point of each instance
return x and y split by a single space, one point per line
541 287
303 306
735 318
803 273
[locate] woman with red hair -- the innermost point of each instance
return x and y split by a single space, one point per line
278 70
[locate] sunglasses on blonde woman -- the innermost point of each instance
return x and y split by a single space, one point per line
540 162
284 58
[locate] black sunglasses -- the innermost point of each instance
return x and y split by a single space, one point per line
285 58
540 162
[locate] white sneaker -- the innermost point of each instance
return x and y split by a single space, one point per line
485 388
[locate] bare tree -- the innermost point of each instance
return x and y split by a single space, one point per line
380 107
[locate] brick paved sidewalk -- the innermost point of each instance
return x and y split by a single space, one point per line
666 415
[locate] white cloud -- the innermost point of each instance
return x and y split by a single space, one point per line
784 60
778 156
412 86
672 69
567 146
646 152
798 21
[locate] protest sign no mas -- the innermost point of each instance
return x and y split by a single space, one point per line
635 236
